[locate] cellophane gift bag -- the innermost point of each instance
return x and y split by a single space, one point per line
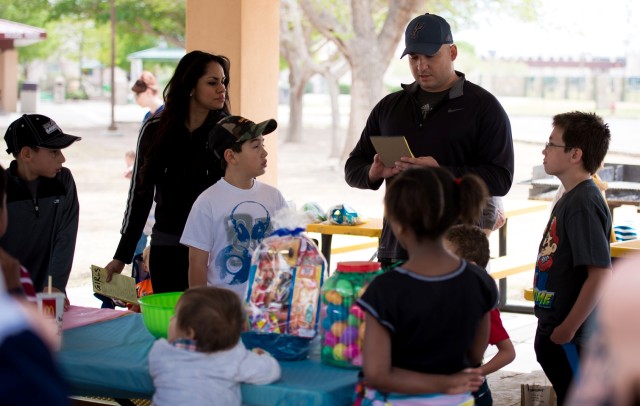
283 295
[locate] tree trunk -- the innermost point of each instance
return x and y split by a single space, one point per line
334 94
298 79
366 91
294 132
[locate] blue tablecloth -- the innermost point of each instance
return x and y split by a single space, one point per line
110 359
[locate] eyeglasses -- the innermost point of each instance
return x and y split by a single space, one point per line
551 144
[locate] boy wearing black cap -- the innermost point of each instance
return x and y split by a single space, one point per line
42 201
447 121
229 219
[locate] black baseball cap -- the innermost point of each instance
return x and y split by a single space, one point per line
36 130
425 35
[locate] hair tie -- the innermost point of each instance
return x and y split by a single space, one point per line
458 181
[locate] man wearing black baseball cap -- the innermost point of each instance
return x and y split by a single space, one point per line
446 120
42 201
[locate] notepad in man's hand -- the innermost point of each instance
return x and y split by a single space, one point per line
391 148
121 287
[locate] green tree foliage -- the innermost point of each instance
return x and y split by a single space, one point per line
34 13
367 32
162 19
82 28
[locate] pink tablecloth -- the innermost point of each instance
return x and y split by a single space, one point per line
78 316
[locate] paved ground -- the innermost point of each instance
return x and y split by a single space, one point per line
305 174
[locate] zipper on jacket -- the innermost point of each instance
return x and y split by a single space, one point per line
36 208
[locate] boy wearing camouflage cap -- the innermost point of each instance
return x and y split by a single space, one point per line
229 219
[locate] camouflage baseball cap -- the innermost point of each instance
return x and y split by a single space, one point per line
235 129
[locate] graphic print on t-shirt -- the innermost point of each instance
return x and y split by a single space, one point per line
544 263
425 109
247 225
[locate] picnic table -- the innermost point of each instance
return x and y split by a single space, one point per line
109 359
373 228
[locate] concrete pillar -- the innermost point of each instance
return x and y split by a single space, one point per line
603 96
136 70
59 89
9 80
248 33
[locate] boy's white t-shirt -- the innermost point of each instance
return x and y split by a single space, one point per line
230 223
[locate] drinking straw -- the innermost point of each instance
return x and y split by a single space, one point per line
49 284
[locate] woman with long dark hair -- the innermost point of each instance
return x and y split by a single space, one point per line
174 161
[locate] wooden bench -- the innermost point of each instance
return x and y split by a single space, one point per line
528 294
502 267
354 247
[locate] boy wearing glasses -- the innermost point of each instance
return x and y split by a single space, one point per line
574 255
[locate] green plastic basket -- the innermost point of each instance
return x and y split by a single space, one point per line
157 310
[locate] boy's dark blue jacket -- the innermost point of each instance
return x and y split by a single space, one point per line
42 232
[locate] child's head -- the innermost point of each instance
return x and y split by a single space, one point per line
427 201
35 141
235 134
130 158
468 242
211 316
586 131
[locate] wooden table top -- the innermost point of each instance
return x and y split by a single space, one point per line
372 228
621 249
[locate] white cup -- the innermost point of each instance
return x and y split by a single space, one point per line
51 306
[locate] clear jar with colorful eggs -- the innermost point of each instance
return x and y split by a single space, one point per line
342 320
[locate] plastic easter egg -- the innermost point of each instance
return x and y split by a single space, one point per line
357 360
337 313
327 352
357 311
349 335
344 287
338 328
347 301
338 352
333 297
329 284
353 320
352 351
326 324
329 339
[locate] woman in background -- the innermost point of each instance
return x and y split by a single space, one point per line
145 90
